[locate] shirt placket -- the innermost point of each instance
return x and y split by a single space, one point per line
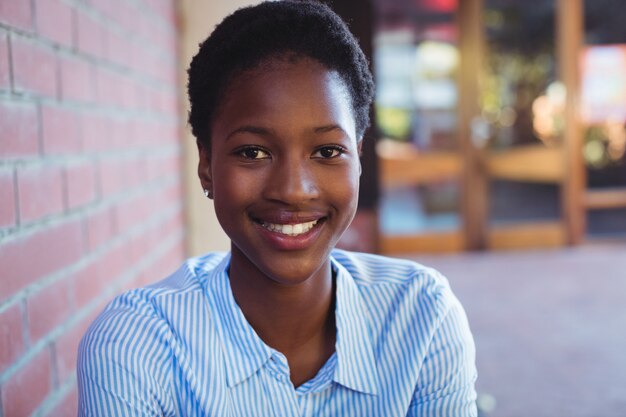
285 402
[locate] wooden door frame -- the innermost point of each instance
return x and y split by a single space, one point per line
565 167
474 186
568 169
569 35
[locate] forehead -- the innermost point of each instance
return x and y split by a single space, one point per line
267 72
295 91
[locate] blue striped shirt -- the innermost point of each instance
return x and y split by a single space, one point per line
182 347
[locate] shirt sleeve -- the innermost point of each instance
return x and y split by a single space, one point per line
123 365
445 385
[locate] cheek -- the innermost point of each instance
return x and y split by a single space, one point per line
234 188
344 187
227 191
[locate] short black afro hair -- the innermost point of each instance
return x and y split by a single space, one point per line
253 34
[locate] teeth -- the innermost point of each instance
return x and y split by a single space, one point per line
290 229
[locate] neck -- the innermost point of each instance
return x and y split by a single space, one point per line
291 318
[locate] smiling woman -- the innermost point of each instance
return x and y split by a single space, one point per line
284 155
283 324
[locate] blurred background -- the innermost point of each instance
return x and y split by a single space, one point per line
497 154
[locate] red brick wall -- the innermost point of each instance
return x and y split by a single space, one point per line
90 185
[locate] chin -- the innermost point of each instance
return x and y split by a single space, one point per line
290 270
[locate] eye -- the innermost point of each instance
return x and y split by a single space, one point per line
328 152
252 152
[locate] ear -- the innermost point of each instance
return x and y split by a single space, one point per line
204 168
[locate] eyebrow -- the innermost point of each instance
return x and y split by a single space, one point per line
257 130
250 129
328 128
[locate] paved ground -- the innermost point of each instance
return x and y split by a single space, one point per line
550 328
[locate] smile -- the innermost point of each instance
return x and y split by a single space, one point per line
290 229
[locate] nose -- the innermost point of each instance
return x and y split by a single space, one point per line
292 181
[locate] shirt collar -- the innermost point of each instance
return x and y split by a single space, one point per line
246 353
244 350
356 364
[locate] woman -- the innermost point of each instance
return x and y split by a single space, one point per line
283 324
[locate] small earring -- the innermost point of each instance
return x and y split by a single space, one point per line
206 193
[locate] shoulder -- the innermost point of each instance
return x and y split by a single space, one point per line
390 288
368 270
127 352
372 268
142 313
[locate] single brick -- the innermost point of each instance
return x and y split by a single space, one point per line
26 389
96 132
141 244
99 228
40 191
16 13
127 93
112 175
135 211
47 308
164 9
77 80
91 36
144 25
11 336
5 74
81 184
110 87
18 129
66 348
60 129
115 262
164 166
163 266
169 73
34 68
123 13
54 21
135 170
91 282
66 406
121 134
8 215
120 50
27 259
88 283
105 7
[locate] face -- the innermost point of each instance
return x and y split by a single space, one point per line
284 168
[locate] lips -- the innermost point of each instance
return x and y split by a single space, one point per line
285 230
296 229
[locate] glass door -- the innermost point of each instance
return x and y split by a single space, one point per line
478 105
603 112
520 128
416 61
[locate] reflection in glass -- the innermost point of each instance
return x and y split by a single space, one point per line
603 108
416 89
425 209
416 62
603 94
520 97
523 103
